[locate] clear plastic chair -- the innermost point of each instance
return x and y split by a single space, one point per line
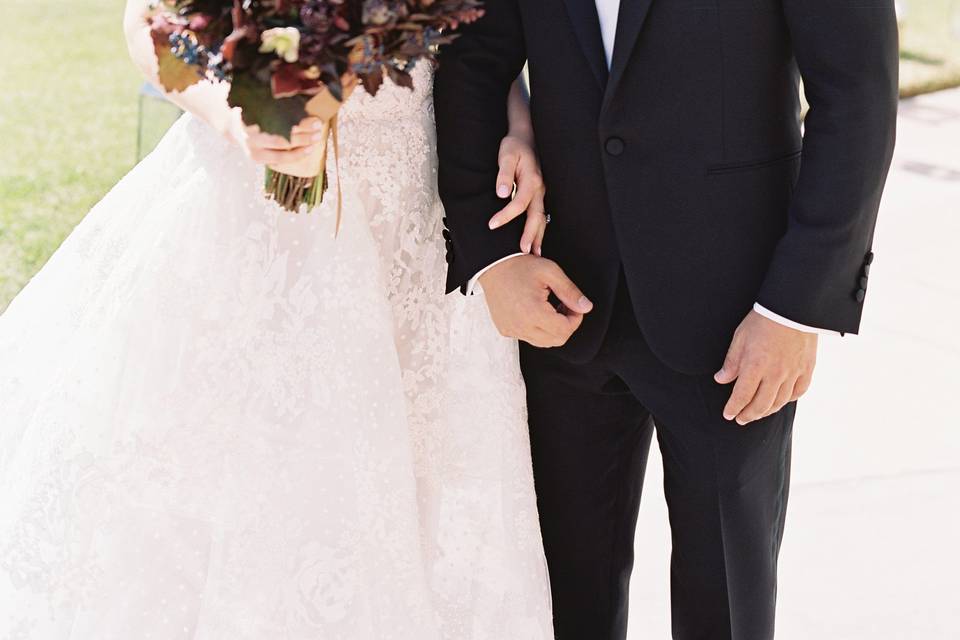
155 114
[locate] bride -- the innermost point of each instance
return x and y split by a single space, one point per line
218 421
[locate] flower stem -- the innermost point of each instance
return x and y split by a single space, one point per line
291 192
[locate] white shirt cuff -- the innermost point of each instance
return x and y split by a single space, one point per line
474 281
770 315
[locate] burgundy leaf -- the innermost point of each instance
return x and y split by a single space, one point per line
372 81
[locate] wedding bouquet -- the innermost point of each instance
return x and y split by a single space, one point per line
289 59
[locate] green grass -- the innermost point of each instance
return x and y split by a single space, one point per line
930 38
68 113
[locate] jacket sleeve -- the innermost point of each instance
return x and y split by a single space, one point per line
847 53
471 86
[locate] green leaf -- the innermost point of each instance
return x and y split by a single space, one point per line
174 73
277 116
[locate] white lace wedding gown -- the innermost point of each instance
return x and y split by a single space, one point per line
219 422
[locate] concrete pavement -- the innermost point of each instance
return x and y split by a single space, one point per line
872 545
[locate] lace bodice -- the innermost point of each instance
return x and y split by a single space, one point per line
393 103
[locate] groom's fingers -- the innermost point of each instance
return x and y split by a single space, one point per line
553 332
801 387
743 393
731 364
542 339
761 403
573 320
564 288
559 325
784 396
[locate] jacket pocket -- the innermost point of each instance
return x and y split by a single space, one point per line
748 165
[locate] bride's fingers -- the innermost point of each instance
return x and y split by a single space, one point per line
278 157
279 143
531 229
309 131
508 162
536 220
260 140
540 206
519 204
530 190
538 241
309 125
305 138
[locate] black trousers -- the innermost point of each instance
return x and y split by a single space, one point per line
726 487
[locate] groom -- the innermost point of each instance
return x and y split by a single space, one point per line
700 241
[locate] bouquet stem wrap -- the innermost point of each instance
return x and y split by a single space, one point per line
305 181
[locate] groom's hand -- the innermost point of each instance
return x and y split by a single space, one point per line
772 364
517 292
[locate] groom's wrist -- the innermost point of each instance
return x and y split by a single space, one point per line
475 280
787 322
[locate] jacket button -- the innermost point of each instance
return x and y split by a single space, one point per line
446 234
860 295
868 260
863 282
449 257
615 146
866 270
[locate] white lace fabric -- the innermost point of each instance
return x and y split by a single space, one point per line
218 421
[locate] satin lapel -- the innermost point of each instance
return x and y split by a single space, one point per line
633 13
586 24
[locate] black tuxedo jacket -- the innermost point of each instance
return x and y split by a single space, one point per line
683 166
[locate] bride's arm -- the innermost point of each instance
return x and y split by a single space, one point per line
208 100
519 165
518 112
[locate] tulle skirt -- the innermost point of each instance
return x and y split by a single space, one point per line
220 421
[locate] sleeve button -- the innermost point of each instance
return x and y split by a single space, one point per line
615 146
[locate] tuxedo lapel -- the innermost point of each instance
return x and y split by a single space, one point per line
633 13
586 24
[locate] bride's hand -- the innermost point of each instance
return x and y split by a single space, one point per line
519 166
269 149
